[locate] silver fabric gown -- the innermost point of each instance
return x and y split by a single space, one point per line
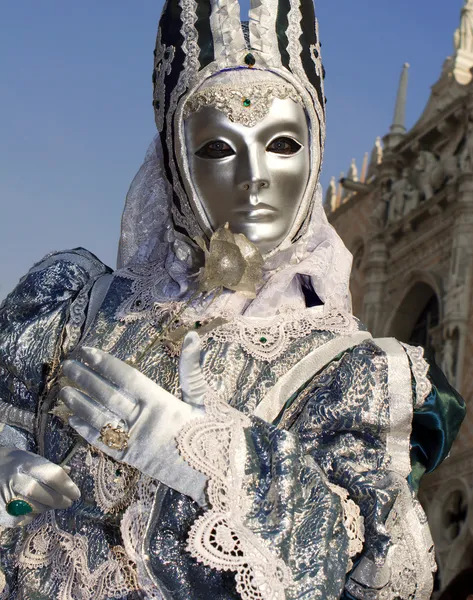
337 447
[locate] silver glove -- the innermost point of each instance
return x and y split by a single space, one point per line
132 419
27 479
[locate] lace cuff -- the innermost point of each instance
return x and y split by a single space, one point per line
353 523
216 446
420 368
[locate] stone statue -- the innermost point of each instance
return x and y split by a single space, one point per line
463 39
330 203
448 360
375 159
398 197
412 197
353 171
451 164
378 217
449 357
429 173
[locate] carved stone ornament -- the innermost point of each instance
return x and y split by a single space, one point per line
428 173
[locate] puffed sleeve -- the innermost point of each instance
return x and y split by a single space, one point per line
438 413
317 503
356 423
40 321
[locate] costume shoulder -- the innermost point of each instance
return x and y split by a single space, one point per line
42 318
439 411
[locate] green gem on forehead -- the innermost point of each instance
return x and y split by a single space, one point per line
250 60
17 508
246 102
263 340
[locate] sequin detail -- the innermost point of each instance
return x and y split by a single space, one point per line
246 106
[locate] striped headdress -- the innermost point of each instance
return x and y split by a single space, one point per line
200 38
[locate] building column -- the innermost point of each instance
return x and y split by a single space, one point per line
373 314
457 300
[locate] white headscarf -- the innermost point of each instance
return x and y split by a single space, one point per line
161 262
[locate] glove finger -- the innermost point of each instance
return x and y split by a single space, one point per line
10 521
134 385
8 494
87 409
42 495
193 384
26 520
99 386
50 475
93 437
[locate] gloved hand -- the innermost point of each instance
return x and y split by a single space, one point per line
30 478
123 413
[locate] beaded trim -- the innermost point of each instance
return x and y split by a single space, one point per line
247 106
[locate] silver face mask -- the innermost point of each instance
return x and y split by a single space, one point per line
252 177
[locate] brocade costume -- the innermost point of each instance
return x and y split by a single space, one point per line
315 435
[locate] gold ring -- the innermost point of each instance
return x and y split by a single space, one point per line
114 437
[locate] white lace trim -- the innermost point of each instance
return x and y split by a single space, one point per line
77 317
216 447
353 523
228 98
114 482
3 585
263 338
133 527
420 368
267 339
66 556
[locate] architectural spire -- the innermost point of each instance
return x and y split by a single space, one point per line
399 124
398 128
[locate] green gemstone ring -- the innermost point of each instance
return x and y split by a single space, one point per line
18 508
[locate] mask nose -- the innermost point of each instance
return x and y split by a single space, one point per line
252 174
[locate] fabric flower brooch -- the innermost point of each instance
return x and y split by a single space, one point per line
232 262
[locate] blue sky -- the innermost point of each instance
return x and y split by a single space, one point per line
76 115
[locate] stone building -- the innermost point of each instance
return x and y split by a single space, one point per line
408 220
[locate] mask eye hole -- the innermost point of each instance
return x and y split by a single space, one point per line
214 150
284 145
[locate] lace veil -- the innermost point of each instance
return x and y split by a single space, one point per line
150 244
